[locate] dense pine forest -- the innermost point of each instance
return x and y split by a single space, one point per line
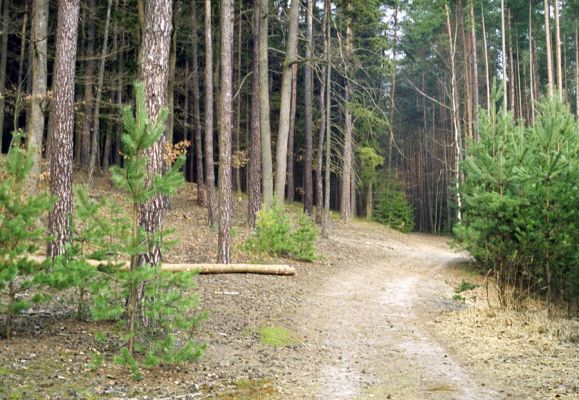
456 118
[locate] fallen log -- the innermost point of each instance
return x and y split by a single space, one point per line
262 269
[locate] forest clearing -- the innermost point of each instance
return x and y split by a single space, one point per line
289 199
373 318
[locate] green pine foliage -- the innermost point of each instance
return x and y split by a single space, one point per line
521 202
20 228
274 234
392 207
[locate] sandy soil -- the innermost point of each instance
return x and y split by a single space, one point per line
373 318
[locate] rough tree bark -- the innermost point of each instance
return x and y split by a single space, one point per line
39 83
285 101
266 160
321 136
346 196
153 71
308 93
486 53
61 126
225 131
254 184
171 81
209 168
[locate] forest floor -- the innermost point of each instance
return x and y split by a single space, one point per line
373 318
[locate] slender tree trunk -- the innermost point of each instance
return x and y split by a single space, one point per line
308 93
531 65
19 100
196 110
504 56
321 136
97 107
285 102
154 71
237 131
328 108
266 157
254 181
346 196
290 149
487 73
512 73
474 67
577 73
209 168
455 116
3 62
225 130
393 88
558 50
85 137
39 41
61 126
120 89
548 47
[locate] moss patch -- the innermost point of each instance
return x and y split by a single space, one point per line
277 336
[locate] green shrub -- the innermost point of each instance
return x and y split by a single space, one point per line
392 207
521 202
20 228
275 235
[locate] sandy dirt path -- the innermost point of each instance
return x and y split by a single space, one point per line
367 323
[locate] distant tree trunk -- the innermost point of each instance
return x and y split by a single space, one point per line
237 132
394 74
321 136
266 157
97 106
225 130
209 168
120 88
285 101
61 126
39 78
345 200
328 108
558 50
487 73
290 148
576 73
154 70
512 73
548 47
19 100
3 62
85 138
474 67
308 92
196 109
171 82
503 56
455 116
254 184
531 66
320 152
